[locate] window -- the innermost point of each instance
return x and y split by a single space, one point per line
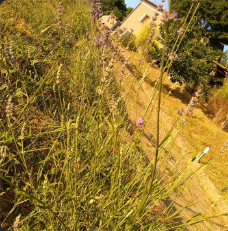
144 18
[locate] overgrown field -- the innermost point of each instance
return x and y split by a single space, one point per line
70 158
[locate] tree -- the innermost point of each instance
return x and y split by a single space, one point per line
211 18
118 7
129 10
193 62
224 60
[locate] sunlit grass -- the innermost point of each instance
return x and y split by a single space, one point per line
71 159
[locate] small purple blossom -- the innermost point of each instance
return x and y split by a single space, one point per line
181 111
172 18
224 122
99 42
173 57
101 25
194 100
140 122
180 31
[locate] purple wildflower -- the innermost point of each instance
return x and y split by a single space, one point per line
100 40
180 31
173 57
140 122
224 122
194 100
172 18
101 26
181 111
95 10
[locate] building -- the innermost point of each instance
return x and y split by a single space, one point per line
221 73
144 12
110 22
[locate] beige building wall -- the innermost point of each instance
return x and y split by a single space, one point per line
108 21
132 21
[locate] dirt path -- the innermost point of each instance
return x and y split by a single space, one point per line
199 188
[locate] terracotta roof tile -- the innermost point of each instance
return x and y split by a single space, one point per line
150 3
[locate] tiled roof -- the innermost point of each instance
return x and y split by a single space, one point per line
150 3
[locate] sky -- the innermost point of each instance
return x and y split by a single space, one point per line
134 3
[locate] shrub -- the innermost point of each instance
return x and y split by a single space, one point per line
129 42
146 38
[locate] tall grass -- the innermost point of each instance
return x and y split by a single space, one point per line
70 157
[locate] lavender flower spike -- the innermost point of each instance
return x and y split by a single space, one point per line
181 111
173 16
165 17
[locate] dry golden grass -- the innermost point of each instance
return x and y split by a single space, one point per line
200 132
187 141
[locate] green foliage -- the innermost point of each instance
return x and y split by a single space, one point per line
118 7
146 36
193 62
156 52
129 10
224 60
129 42
211 18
